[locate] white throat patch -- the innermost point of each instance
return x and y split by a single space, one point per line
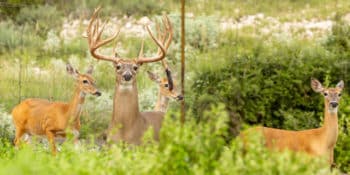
333 110
125 86
82 95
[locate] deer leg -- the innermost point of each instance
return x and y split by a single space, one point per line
51 137
60 134
331 152
76 136
19 134
27 138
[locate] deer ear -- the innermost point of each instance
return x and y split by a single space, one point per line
316 85
90 70
170 79
340 85
72 71
153 76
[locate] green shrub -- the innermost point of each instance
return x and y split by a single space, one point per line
194 148
202 32
268 83
7 129
41 18
339 40
13 37
342 153
140 7
10 8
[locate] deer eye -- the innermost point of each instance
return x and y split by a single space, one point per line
135 68
325 94
85 81
339 94
118 67
166 85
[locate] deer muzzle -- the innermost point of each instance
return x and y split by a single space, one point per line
179 97
333 104
98 93
127 76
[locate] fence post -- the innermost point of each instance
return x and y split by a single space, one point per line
183 110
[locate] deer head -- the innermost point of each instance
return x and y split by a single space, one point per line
126 69
331 95
166 86
84 82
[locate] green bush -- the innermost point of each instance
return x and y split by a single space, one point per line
342 153
140 7
10 8
7 129
13 37
41 18
339 40
189 149
269 83
202 32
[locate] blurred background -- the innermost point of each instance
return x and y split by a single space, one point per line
254 56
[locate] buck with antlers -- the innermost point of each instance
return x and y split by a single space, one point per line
128 123
43 117
167 89
319 141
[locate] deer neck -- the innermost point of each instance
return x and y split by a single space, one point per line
75 107
162 103
330 126
125 107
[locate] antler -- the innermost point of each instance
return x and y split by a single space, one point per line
163 41
94 38
162 37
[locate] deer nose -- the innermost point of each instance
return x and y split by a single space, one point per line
180 97
127 77
334 104
97 93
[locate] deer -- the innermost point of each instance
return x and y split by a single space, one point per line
167 89
52 119
128 123
316 142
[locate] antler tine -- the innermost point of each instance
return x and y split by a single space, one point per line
162 36
158 29
101 43
141 49
169 27
160 43
94 37
92 25
99 33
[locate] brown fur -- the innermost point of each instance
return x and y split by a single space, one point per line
165 93
42 117
319 141
128 123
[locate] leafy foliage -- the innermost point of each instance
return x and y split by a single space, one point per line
10 8
189 149
269 84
